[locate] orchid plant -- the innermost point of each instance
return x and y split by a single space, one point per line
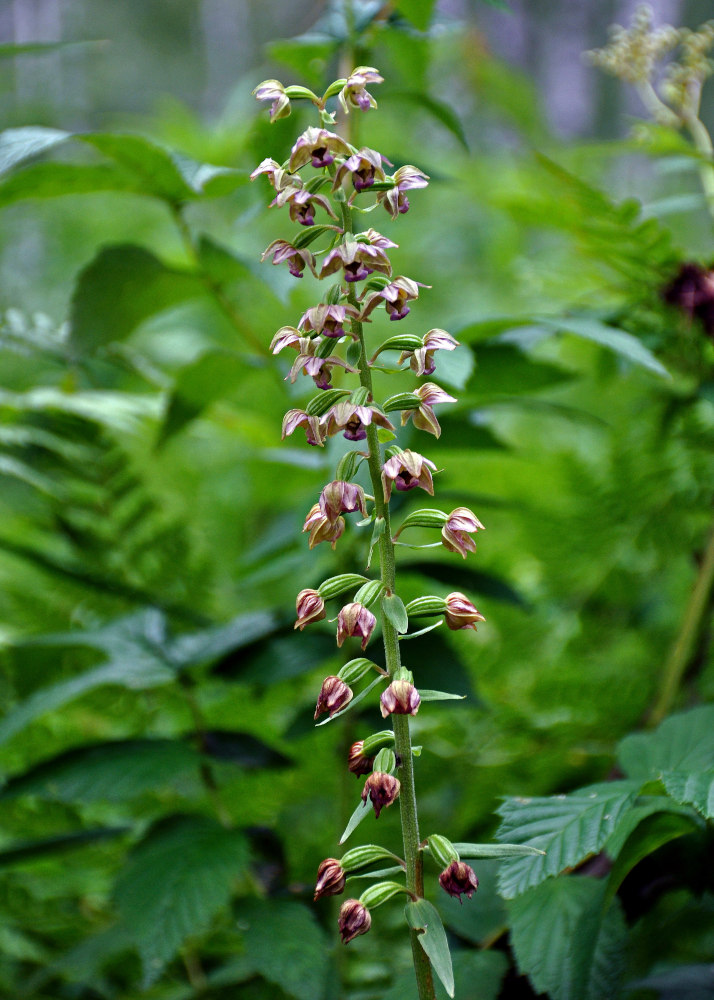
345 182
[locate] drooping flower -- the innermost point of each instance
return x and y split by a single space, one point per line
318 146
454 533
273 90
364 167
322 528
270 167
299 418
355 620
302 204
283 252
353 420
354 93
400 698
395 296
310 363
406 178
334 695
328 320
424 417
459 878
339 497
357 259
406 471
383 789
357 761
354 919
309 607
421 361
330 878
460 613
287 336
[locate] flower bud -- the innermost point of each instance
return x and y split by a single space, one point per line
354 919
334 695
460 612
322 528
357 761
355 620
382 789
400 698
330 878
310 607
454 534
458 878
339 497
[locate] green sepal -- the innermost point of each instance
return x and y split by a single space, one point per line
422 631
401 342
380 893
355 670
427 517
440 696
382 186
296 91
367 854
310 234
376 740
392 451
348 465
369 592
353 352
360 396
377 282
403 674
384 435
495 850
333 89
385 761
402 401
427 605
442 850
336 585
321 403
315 183
325 348
334 294
424 918
395 612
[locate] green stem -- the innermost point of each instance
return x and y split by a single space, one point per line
703 143
681 652
402 738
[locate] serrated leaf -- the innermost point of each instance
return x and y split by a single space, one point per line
285 945
424 918
174 882
395 612
684 742
567 827
695 789
564 943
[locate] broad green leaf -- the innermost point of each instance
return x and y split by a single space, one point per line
424 918
684 742
567 827
285 945
653 832
395 612
565 943
213 376
362 810
119 289
694 788
505 369
110 771
148 160
419 12
644 807
18 144
29 850
174 882
52 179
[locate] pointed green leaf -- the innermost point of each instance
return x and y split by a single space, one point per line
497 851
395 612
424 918
618 341
653 832
362 810
440 696
567 827
19 144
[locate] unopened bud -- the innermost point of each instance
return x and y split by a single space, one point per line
330 878
400 698
383 789
357 761
309 607
354 919
459 878
334 695
460 612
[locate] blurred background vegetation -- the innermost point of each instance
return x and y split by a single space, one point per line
166 799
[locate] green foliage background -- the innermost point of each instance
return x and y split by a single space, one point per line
166 798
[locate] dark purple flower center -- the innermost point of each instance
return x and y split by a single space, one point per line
405 481
363 178
306 214
296 265
397 310
402 203
333 328
356 271
321 157
355 430
323 378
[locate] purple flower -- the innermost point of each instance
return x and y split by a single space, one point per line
299 418
421 360
395 296
339 497
405 179
459 878
454 534
319 369
319 147
424 417
302 204
406 471
334 695
358 259
287 336
309 607
322 528
400 698
460 612
354 919
365 167
383 789
353 420
273 90
355 620
328 320
330 878
354 93
281 251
